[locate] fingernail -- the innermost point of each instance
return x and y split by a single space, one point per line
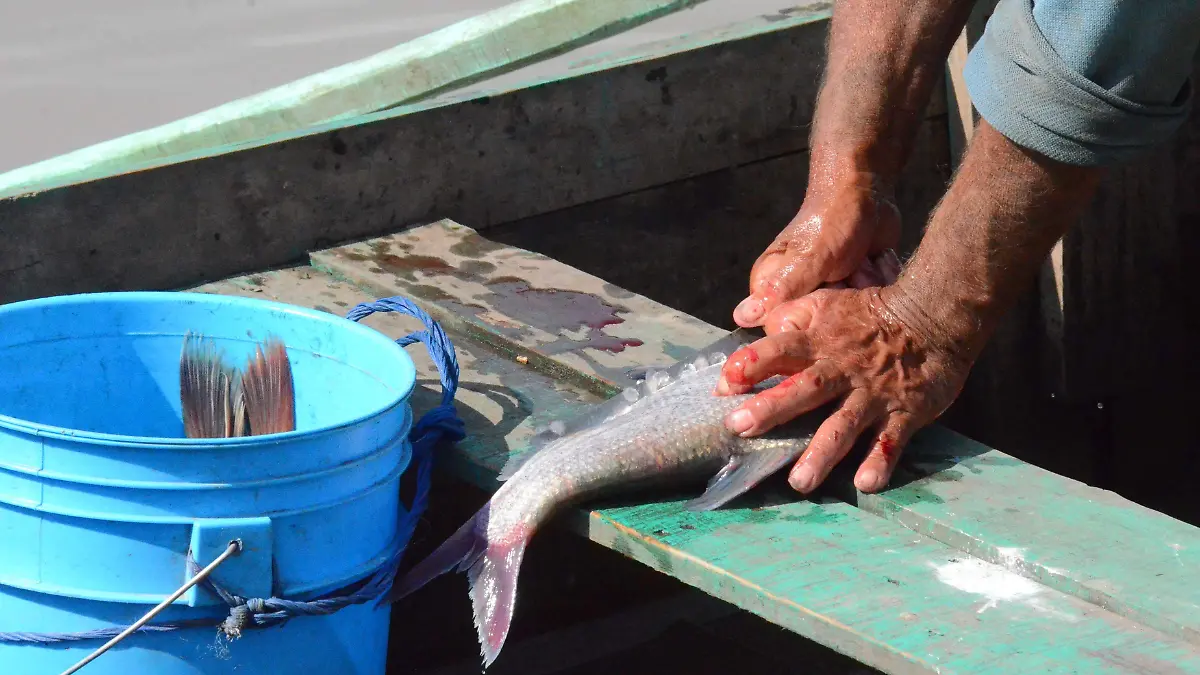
740 421
868 480
802 479
722 387
748 311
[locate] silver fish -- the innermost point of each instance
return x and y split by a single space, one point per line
670 426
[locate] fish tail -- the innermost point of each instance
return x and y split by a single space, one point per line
491 568
493 579
461 551
268 396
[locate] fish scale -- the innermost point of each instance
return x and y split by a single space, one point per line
668 428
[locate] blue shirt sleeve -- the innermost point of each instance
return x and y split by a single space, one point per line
1086 82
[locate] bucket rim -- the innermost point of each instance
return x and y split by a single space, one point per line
100 438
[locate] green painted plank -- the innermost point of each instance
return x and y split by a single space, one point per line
1088 542
16 184
1080 540
469 51
799 13
893 598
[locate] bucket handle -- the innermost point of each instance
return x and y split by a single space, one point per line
438 423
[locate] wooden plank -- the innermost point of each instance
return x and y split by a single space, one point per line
1129 326
431 264
597 134
893 598
1087 542
491 43
962 114
961 118
521 303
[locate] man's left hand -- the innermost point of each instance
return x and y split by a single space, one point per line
849 343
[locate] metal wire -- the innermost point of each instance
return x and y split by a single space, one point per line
234 548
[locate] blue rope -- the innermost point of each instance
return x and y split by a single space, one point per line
440 423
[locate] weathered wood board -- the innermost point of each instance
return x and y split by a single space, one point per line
491 43
601 132
563 321
899 592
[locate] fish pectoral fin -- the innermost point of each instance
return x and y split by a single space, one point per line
742 473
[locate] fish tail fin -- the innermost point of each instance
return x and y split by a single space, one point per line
206 389
460 551
493 579
491 569
268 393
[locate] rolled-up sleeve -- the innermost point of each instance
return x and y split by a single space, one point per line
1086 82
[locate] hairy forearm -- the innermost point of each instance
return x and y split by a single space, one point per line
884 58
996 224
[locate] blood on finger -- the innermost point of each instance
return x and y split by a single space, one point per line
735 370
887 448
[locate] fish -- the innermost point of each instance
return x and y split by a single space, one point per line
670 427
219 402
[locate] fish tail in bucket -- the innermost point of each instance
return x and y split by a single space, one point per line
491 568
217 403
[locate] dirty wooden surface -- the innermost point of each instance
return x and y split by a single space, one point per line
895 592
563 321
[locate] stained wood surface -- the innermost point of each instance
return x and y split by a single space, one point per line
910 592
565 322
491 43
602 132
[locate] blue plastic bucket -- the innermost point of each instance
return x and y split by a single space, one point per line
101 497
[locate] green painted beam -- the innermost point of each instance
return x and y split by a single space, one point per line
1087 542
887 591
486 45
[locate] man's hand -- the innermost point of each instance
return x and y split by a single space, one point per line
849 343
897 356
884 58
838 238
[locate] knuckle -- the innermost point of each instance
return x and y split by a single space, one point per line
848 418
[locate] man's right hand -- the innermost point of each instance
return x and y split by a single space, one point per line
843 234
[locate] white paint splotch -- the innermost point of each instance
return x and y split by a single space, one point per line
992 582
996 585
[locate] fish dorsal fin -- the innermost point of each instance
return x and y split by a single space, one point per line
744 471
713 352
